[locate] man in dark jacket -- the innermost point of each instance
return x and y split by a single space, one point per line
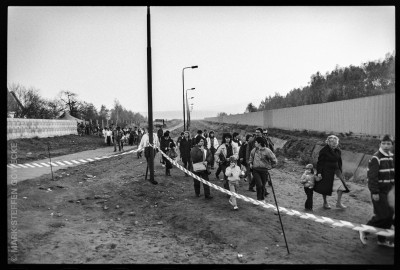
184 149
199 133
242 157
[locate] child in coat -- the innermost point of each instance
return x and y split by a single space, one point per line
233 172
308 180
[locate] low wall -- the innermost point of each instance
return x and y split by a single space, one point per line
18 128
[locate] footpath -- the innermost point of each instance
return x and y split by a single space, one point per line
21 172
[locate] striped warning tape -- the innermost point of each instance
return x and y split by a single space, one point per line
63 163
320 219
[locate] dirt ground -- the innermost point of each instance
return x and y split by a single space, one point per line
119 218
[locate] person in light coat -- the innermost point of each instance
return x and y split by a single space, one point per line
224 152
213 144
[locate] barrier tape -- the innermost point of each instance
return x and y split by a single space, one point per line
63 163
320 219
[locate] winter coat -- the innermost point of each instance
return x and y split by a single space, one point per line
184 149
329 160
166 144
262 159
222 150
197 155
308 179
216 144
381 172
242 153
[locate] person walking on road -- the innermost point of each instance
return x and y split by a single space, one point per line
213 144
201 157
223 153
261 160
381 181
242 157
329 165
250 147
233 172
184 149
165 145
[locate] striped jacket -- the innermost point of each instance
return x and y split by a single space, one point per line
381 172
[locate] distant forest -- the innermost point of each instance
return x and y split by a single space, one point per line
369 79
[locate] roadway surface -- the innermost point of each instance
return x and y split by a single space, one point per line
71 160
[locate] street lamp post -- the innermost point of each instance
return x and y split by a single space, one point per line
187 108
183 94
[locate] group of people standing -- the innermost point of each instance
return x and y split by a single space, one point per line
118 137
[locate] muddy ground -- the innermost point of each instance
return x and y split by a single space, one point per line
118 217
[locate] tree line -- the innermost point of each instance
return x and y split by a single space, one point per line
37 107
369 79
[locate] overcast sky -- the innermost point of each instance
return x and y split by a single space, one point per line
244 53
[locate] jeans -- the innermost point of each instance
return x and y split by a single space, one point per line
250 179
196 183
260 177
233 186
309 202
117 142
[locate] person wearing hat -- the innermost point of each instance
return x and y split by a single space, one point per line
166 144
380 182
308 180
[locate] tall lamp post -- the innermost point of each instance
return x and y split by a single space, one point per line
187 108
183 94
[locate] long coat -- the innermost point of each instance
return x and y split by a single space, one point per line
329 160
184 149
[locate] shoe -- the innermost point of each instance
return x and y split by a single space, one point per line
327 206
386 243
154 182
235 208
230 201
209 197
252 190
363 238
341 206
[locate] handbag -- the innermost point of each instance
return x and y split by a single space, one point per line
199 166
172 153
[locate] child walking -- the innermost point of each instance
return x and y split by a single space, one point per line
308 180
233 173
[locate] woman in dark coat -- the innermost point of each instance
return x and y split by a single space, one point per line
184 148
166 144
330 164
198 154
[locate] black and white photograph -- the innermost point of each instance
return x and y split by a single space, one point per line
201 135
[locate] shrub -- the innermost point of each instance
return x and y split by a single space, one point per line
305 159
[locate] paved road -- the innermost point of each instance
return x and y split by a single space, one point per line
33 170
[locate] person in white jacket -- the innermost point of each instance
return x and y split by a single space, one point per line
224 152
145 144
213 144
233 173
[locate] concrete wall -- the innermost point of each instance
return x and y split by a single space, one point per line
28 128
372 116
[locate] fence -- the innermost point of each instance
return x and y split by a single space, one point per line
373 116
28 128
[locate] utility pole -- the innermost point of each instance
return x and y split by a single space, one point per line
150 164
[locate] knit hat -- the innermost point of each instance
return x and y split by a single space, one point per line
232 159
386 138
309 166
